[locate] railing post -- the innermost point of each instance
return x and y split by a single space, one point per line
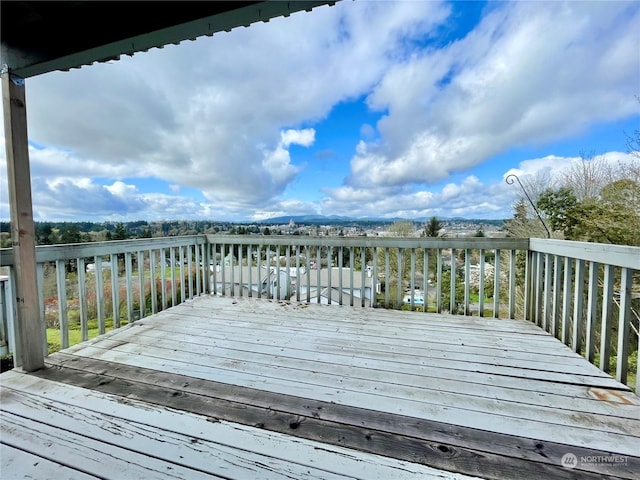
22 224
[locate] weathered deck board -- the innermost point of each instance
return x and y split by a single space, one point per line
119 438
480 396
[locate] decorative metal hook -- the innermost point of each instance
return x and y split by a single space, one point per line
509 179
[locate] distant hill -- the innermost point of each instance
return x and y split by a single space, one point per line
336 219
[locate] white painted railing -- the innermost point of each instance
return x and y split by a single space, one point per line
372 271
582 293
108 284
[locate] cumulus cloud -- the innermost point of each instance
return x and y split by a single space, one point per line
220 113
470 197
223 115
526 75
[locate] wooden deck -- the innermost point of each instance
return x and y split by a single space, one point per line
248 389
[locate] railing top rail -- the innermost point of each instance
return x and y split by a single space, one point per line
50 253
391 242
617 255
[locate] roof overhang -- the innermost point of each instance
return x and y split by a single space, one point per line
42 36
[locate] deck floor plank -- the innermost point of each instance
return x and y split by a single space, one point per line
413 376
477 412
89 428
18 464
471 352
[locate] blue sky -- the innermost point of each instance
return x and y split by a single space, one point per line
366 109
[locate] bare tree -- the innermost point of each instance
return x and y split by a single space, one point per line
588 176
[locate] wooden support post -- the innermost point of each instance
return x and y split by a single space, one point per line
29 321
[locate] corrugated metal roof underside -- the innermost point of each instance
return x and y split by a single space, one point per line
40 37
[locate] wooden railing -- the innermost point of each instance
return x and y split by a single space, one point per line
89 288
582 293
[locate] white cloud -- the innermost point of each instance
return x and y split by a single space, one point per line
221 114
203 114
304 137
526 75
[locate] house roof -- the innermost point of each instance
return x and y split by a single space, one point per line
43 36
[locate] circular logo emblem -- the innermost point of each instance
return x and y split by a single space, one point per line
569 460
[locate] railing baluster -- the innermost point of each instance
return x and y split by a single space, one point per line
386 277
172 262
307 256
557 295
512 284
223 262
82 299
63 318
624 321
318 268
606 319
288 272
578 303
363 260
141 289
206 268
538 288
163 278
546 306
115 290
481 285
40 283
340 265
259 268
250 268
129 279
190 270
152 282
439 283
329 271
452 289
425 280
566 300
374 278
99 295
496 286
529 276
240 279
198 269
182 285
400 259
298 273
467 281
592 311
351 267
